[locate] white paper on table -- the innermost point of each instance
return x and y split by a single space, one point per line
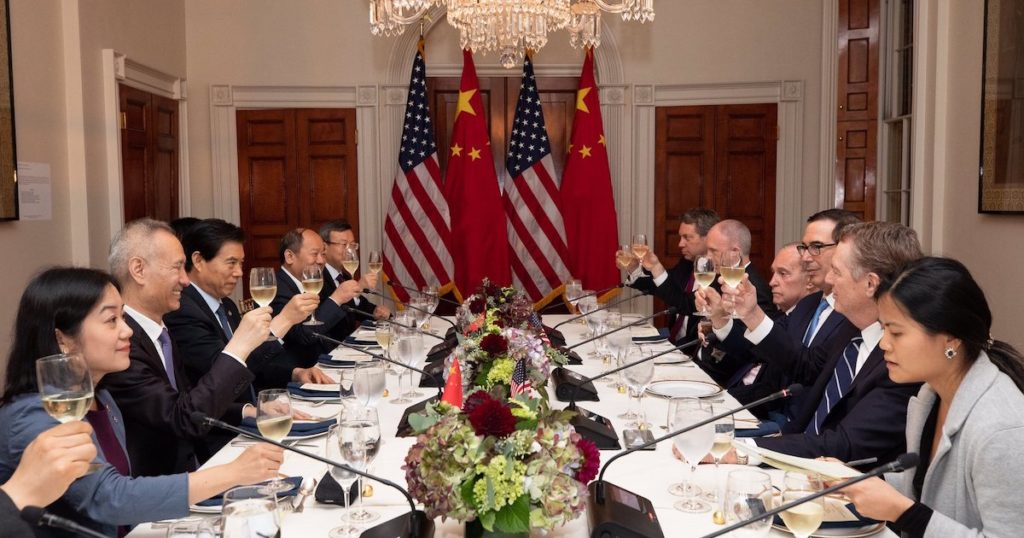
829 470
336 387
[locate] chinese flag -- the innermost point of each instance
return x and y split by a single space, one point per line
588 206
479 241
453 386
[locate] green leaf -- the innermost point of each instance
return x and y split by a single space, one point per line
527 424
422 422
514 517
467 492
487 520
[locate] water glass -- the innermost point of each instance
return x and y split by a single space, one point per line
748 493
693 445
250 512
368 383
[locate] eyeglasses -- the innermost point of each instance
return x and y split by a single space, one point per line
814 248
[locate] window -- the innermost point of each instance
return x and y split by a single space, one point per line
897 104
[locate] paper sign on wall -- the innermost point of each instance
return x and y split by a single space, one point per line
34 191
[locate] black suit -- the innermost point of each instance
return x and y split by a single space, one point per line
867 422
10 519
343 329
200 338
674 292
300 342
161 437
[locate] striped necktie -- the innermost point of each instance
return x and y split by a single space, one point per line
812 327
841 380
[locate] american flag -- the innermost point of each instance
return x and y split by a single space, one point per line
537 325
520 381
536 235
416 231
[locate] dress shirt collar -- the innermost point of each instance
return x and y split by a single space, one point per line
332 271
790 309
871 334
831 300
211 302
152 328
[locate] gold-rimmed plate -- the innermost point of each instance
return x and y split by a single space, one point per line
683 388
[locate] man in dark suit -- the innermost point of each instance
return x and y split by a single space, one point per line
208 317
338 237
299 249
850 409
675 286
154 393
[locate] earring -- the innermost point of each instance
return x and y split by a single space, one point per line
950 353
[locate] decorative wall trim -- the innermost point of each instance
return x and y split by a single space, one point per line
829 98
120 69
789 152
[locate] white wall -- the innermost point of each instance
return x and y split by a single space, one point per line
992 246
59 115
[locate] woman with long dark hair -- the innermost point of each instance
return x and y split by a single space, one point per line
79 311
967 422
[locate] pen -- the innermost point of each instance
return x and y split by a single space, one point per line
857 463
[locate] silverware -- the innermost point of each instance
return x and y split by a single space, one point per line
308 486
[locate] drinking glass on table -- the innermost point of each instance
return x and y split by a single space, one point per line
263 288
274 421
802 519
629 354
405 345
748 493
65 387
345 444
638 377
368 383
616 341
420 311
573 291
586 304
704 275
312 282
367 419
432 300
732 273
250 512
414 357
725 432
383 331
693 445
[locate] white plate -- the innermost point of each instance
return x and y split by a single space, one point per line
684 389
196 509
852 532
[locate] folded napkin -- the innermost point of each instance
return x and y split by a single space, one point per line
649 339
860 521
331 362
369 324
298 390
360 340
293 481
299 429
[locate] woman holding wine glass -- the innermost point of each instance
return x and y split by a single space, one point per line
77 311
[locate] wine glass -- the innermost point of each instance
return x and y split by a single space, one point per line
637 378
802 519
573 290
628 354
312 282
748 493
420 310
624 257
345 444
639 246
249 512
367 419
413 356
374 262
65 386
586 304
432 300
383 332
404 342
693 445
704 276
263 288
368 383
274 421
732 273
350 259
725 432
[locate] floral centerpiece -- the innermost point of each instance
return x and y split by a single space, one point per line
505 462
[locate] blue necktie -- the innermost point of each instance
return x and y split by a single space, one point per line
165 346
809 334
222 315
841 380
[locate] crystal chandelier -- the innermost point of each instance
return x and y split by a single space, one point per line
510 26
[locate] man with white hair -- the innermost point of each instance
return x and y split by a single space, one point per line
154 394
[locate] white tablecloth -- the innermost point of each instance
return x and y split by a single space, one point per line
648 473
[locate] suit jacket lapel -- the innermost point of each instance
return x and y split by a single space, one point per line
193 295
149 353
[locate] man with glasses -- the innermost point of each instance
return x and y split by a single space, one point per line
339 236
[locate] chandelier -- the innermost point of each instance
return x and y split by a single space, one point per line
510 26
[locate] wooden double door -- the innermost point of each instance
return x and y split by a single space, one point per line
296 168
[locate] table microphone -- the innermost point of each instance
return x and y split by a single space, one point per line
598 292
902 463
37 517
439 298
604 307
668 311
616 511
392 321
416 308
415 526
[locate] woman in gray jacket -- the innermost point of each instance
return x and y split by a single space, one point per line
967 422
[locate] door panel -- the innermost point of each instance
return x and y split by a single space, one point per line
149 154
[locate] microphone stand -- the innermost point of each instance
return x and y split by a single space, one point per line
605 307
667 311
902 463
37 517
352 310
416 308
417 517
439 298
623 513
598 292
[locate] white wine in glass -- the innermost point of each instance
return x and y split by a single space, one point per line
312 282
274 421
262 285
803 519
704 276
350 259
639 246
374 262
624 257
65 386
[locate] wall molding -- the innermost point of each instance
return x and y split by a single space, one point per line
120 69
829 99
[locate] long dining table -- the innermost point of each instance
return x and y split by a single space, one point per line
647 473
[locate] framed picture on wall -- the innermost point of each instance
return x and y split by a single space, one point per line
8 159
1001 180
